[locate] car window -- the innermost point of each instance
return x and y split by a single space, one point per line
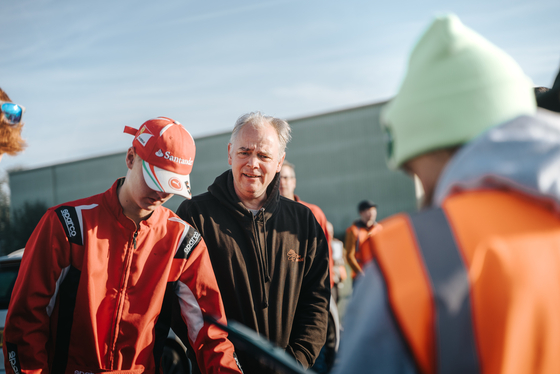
8 275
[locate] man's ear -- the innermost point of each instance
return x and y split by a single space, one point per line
281 162
130 157
229 157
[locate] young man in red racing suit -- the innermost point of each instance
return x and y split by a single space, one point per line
90 296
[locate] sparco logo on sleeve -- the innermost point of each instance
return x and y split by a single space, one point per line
69 219
13 361
190 241
69 223
13 357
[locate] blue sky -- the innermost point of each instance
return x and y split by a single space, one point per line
85 69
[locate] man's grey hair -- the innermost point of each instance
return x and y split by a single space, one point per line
258 119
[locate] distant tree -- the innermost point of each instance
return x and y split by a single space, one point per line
16 228
24 221
5 235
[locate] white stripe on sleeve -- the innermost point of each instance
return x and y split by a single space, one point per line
190 310
60 279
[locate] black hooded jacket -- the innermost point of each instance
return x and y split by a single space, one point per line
272 268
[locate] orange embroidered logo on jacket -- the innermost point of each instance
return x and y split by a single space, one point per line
294 257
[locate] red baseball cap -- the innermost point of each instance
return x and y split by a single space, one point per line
167 151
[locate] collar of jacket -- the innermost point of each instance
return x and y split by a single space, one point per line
521 155
224 191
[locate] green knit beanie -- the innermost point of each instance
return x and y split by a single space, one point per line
458 84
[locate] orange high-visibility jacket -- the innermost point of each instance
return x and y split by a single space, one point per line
471 285
496 293
356 242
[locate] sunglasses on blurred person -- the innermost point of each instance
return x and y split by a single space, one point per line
11 112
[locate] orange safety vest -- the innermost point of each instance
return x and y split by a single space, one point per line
475 286
360 236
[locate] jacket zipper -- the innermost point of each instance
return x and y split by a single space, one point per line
264 277
122 291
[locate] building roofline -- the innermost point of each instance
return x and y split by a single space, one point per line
221 133
319 114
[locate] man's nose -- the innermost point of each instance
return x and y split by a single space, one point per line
253 161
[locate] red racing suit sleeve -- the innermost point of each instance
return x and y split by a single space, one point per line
198 295
27 328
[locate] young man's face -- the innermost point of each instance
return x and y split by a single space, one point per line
287 182
255 159
139 193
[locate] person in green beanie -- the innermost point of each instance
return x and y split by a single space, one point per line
471 283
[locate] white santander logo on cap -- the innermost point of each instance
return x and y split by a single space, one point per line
175 184
170 157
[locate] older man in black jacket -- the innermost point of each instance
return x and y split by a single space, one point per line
269 253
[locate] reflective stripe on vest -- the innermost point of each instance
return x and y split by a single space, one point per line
456 344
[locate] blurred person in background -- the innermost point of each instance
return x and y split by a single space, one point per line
339 273
10 126
288 183
269 254
470 284
357 235
287 189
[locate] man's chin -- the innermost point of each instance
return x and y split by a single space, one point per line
151 206
253 191
250 185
